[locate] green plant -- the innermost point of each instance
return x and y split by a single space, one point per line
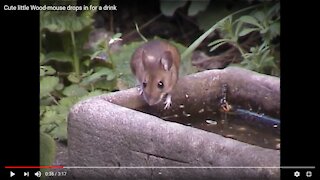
260 59
265 20
198 41
62 37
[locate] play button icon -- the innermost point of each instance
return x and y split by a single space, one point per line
12 174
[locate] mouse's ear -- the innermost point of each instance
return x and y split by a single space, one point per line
166 60
143 58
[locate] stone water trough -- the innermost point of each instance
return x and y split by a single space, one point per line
114 134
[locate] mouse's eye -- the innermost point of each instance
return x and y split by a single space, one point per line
160 85
144 84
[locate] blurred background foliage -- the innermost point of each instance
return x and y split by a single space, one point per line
80 59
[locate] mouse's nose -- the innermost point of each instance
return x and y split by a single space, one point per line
150 100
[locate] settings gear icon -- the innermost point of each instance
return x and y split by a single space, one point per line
296 173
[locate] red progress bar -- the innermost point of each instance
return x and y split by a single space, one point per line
33 167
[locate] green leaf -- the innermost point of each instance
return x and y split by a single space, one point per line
86 62
86 74
111 76
217 45
61 22
104 84
91 94
58 56
197 6
117 35
264 30
239 27
47 150
42 59
97 75
47 85
250 20
98 53
217 42
74 90
65 104
47 70
274 29
59 87
246 31
74 78
60 132
46 128
49 117
42 73
260 16
46 101
169 7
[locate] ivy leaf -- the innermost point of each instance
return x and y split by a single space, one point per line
74 90
47 85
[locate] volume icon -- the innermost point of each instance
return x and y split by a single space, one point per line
38 174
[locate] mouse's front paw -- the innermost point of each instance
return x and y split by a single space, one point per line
167 102
140 90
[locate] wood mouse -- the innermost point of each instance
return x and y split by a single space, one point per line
155 65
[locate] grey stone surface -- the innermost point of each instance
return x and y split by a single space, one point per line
105 131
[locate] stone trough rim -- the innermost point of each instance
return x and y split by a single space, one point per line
107 101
